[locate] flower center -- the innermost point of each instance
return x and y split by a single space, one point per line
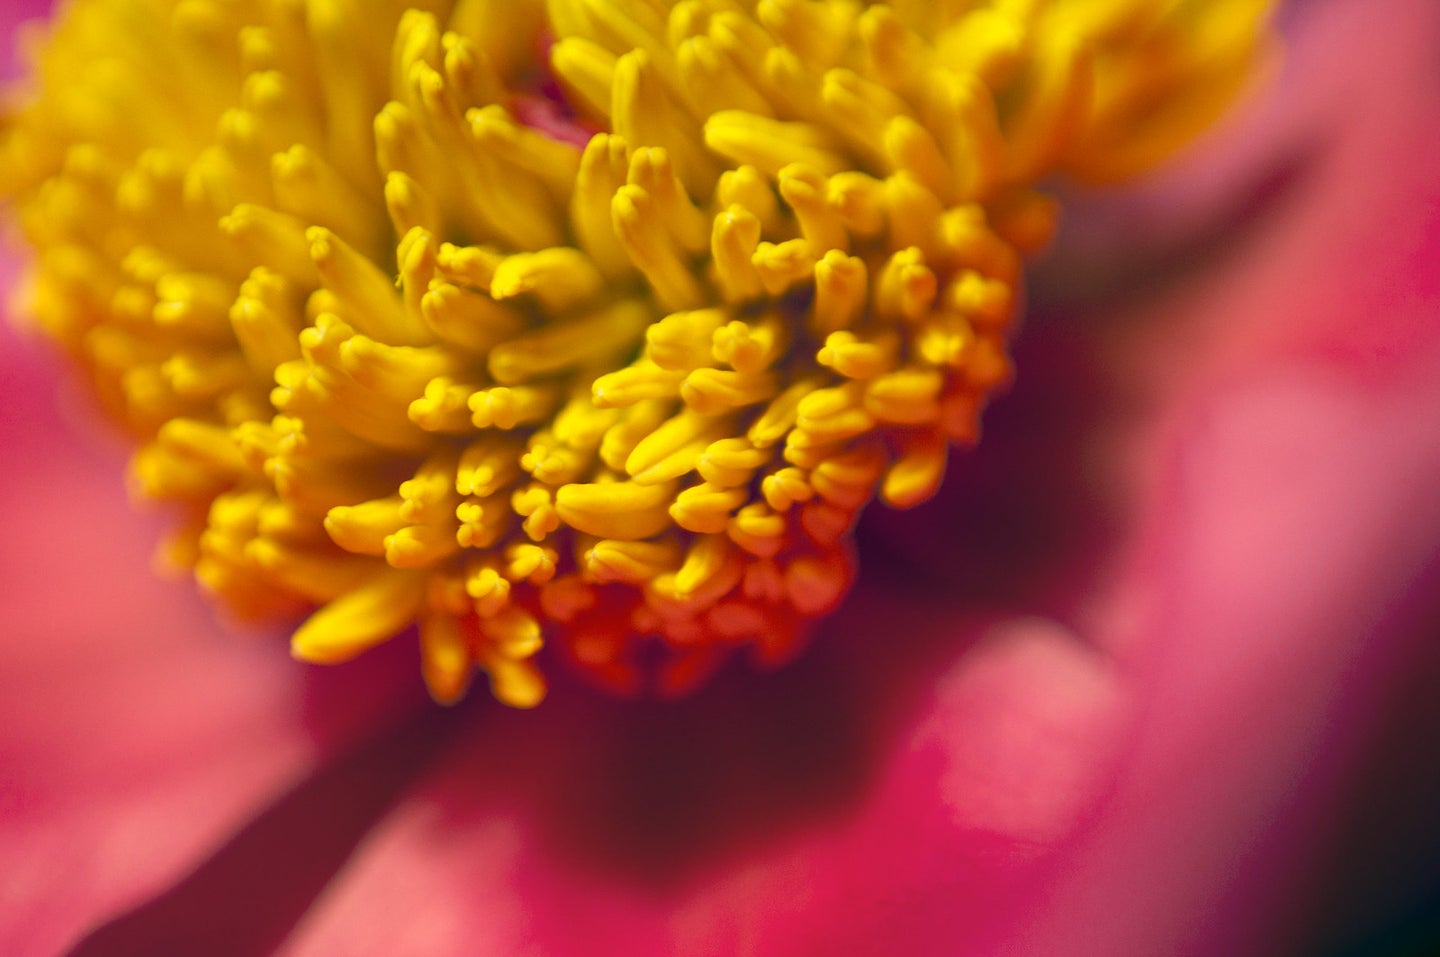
406 345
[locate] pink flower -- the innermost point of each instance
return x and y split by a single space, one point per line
1124 689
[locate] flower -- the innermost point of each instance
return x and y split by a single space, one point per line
677 295
1223 488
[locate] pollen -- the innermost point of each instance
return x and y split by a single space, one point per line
580 325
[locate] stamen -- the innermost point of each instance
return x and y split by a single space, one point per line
414 342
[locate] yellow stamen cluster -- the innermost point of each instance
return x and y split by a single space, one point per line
585 319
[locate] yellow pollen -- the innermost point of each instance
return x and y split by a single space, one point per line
574 322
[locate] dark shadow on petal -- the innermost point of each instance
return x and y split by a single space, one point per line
1375 887
1020 520
657 794
249 894
1116 250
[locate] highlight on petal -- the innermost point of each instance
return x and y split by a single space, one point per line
1028 727
629 373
